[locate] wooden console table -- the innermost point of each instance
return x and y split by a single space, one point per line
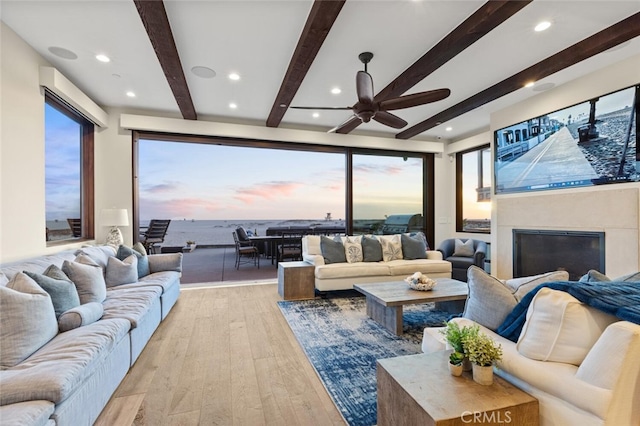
419 390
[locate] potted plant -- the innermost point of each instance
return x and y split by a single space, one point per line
455 337
483 352
191 246
455 363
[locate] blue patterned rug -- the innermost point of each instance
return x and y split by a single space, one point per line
343 344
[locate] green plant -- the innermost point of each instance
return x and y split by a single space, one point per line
482 350
190 242
455 335
456 358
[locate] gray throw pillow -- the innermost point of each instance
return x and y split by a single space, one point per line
463 249
80 315
99 254
371 249
121 272
63 293
413 247
88 279
594 276
53 271
28 320
489 301
332 251
143 260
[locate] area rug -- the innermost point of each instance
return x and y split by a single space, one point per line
343 344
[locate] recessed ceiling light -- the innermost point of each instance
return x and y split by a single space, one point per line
233 106
448 129
315 115
63 53
542 26
336 91
530 84
203 72
234 76
131 94
103 58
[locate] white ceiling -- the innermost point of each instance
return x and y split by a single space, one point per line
256 39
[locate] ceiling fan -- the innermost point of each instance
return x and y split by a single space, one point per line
367 107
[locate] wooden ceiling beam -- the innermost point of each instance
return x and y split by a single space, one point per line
320 20
476 26
154 18
612 36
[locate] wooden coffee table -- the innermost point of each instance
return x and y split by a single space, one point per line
385 300
419 390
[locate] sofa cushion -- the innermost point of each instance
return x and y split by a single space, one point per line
27 320
353 248
413 247
120 272
165 262
351 270
332 251
130 303
139 251
63 293
560 328
164 280
489 301
463 248
371 249
426 266
48 376
88 279
521 286
80 316
391 247
32 413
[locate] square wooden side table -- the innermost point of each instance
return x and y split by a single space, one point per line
296 280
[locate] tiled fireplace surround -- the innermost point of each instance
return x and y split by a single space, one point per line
603 209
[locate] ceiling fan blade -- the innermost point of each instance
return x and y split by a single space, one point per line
323 108
351 123
389 119
364 87
414 99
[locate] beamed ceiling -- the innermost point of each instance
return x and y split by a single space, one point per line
294 52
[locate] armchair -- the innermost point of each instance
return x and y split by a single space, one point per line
462 256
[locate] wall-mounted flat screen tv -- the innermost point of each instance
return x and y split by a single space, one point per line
591 143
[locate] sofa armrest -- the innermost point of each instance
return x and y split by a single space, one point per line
165 262
434 255
314 259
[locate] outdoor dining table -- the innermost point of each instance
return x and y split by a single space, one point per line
272 240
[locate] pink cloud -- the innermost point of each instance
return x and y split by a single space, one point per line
371 168
267 191
177 208
162 188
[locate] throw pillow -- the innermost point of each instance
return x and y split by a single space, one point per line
120 272
53 271
28 320
413 247
489 301
143 260
63 293
80 315
521 286
420 235
332 251
463 249
560 328
99 254
371 249
353 249
88 279
593 276
629 278
391 247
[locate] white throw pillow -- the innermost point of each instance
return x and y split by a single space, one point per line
463 248
353 249
560 328
521 286
391 247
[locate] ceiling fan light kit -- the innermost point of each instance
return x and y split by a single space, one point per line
368 108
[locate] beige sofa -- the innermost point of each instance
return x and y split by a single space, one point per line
343 275
62 369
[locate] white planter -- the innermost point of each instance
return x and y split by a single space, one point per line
455 370
483 375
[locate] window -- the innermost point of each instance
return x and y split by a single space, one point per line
68 173
473 190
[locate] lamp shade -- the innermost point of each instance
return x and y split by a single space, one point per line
114 217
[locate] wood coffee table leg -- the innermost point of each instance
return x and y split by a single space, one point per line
388 316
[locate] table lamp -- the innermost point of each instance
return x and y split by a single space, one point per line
114 218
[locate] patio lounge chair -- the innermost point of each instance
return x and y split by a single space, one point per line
154 234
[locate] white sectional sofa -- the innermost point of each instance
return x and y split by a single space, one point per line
579 362
392 265
62 368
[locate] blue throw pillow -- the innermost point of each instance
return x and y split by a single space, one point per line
143 260
332 251
413 247
63 293
371 249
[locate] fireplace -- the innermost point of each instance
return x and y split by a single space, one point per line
537 252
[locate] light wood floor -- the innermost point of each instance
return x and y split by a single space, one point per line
223 356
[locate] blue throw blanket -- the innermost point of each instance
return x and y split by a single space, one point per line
621 299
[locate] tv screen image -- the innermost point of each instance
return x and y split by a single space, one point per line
590 143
